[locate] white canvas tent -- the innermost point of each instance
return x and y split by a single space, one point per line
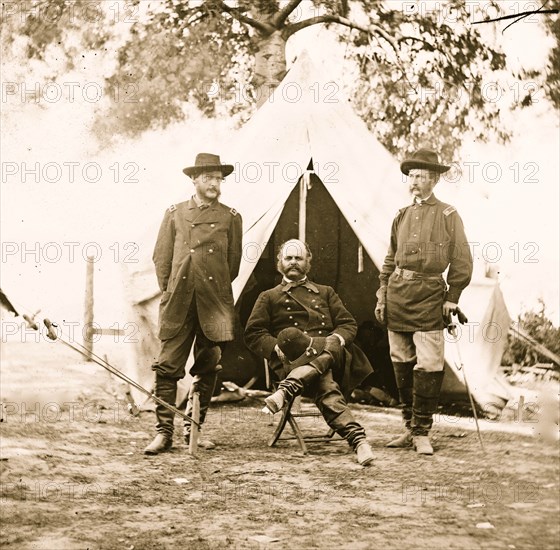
308 119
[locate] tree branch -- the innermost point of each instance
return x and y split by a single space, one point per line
280 18
427 45
518 16
372 29
241 17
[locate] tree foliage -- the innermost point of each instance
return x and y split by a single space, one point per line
430 88
420 73
551 77
540 327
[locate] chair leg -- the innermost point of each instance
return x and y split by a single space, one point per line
281 425
298 433
290 418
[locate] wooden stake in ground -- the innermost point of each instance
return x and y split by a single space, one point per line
193 441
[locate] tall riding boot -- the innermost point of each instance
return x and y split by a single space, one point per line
427 387
166 389
204 384
404 378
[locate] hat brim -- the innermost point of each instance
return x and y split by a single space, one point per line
193 171
305 358
408 165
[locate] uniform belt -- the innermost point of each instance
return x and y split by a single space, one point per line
409 274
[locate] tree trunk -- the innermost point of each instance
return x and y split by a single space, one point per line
270 65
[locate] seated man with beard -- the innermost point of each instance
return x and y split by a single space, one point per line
317 311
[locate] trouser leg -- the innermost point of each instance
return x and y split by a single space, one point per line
403 357
166 390
404 378
332 404
298 380
169 369
207 355
428 378
204 384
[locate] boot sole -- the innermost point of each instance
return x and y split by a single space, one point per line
423 453
272 406
153 453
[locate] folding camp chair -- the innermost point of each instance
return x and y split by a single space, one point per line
291 411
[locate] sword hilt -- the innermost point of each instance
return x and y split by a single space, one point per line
30 322
51 332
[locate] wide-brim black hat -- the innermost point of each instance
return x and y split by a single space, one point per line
424 159
299 348
207 162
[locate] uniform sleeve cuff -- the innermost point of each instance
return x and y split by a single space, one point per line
453 295
341 338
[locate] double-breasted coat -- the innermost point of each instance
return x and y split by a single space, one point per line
197 253
316 310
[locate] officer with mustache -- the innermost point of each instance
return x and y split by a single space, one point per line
197 256
414 300
317 311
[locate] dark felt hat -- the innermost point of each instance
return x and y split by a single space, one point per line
207 162
425 159
299 348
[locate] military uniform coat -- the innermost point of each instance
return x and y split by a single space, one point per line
197 253
426 238
317 311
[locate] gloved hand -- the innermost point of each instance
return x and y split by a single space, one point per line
333 343
461 316
381 307
448 309
280 354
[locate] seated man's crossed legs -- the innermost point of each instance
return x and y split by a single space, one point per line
310 362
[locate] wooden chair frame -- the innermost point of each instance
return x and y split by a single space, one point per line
287 416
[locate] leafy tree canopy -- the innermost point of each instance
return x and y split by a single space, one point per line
422 74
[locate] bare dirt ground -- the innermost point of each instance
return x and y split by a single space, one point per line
73 476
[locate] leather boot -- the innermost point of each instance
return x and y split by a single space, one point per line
355 435
297 381
293 385
364 454
427 387
159 444
166 389
275 401
204 384
404 379
402 441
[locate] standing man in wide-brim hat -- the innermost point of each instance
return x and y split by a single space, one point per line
414 300
197 256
